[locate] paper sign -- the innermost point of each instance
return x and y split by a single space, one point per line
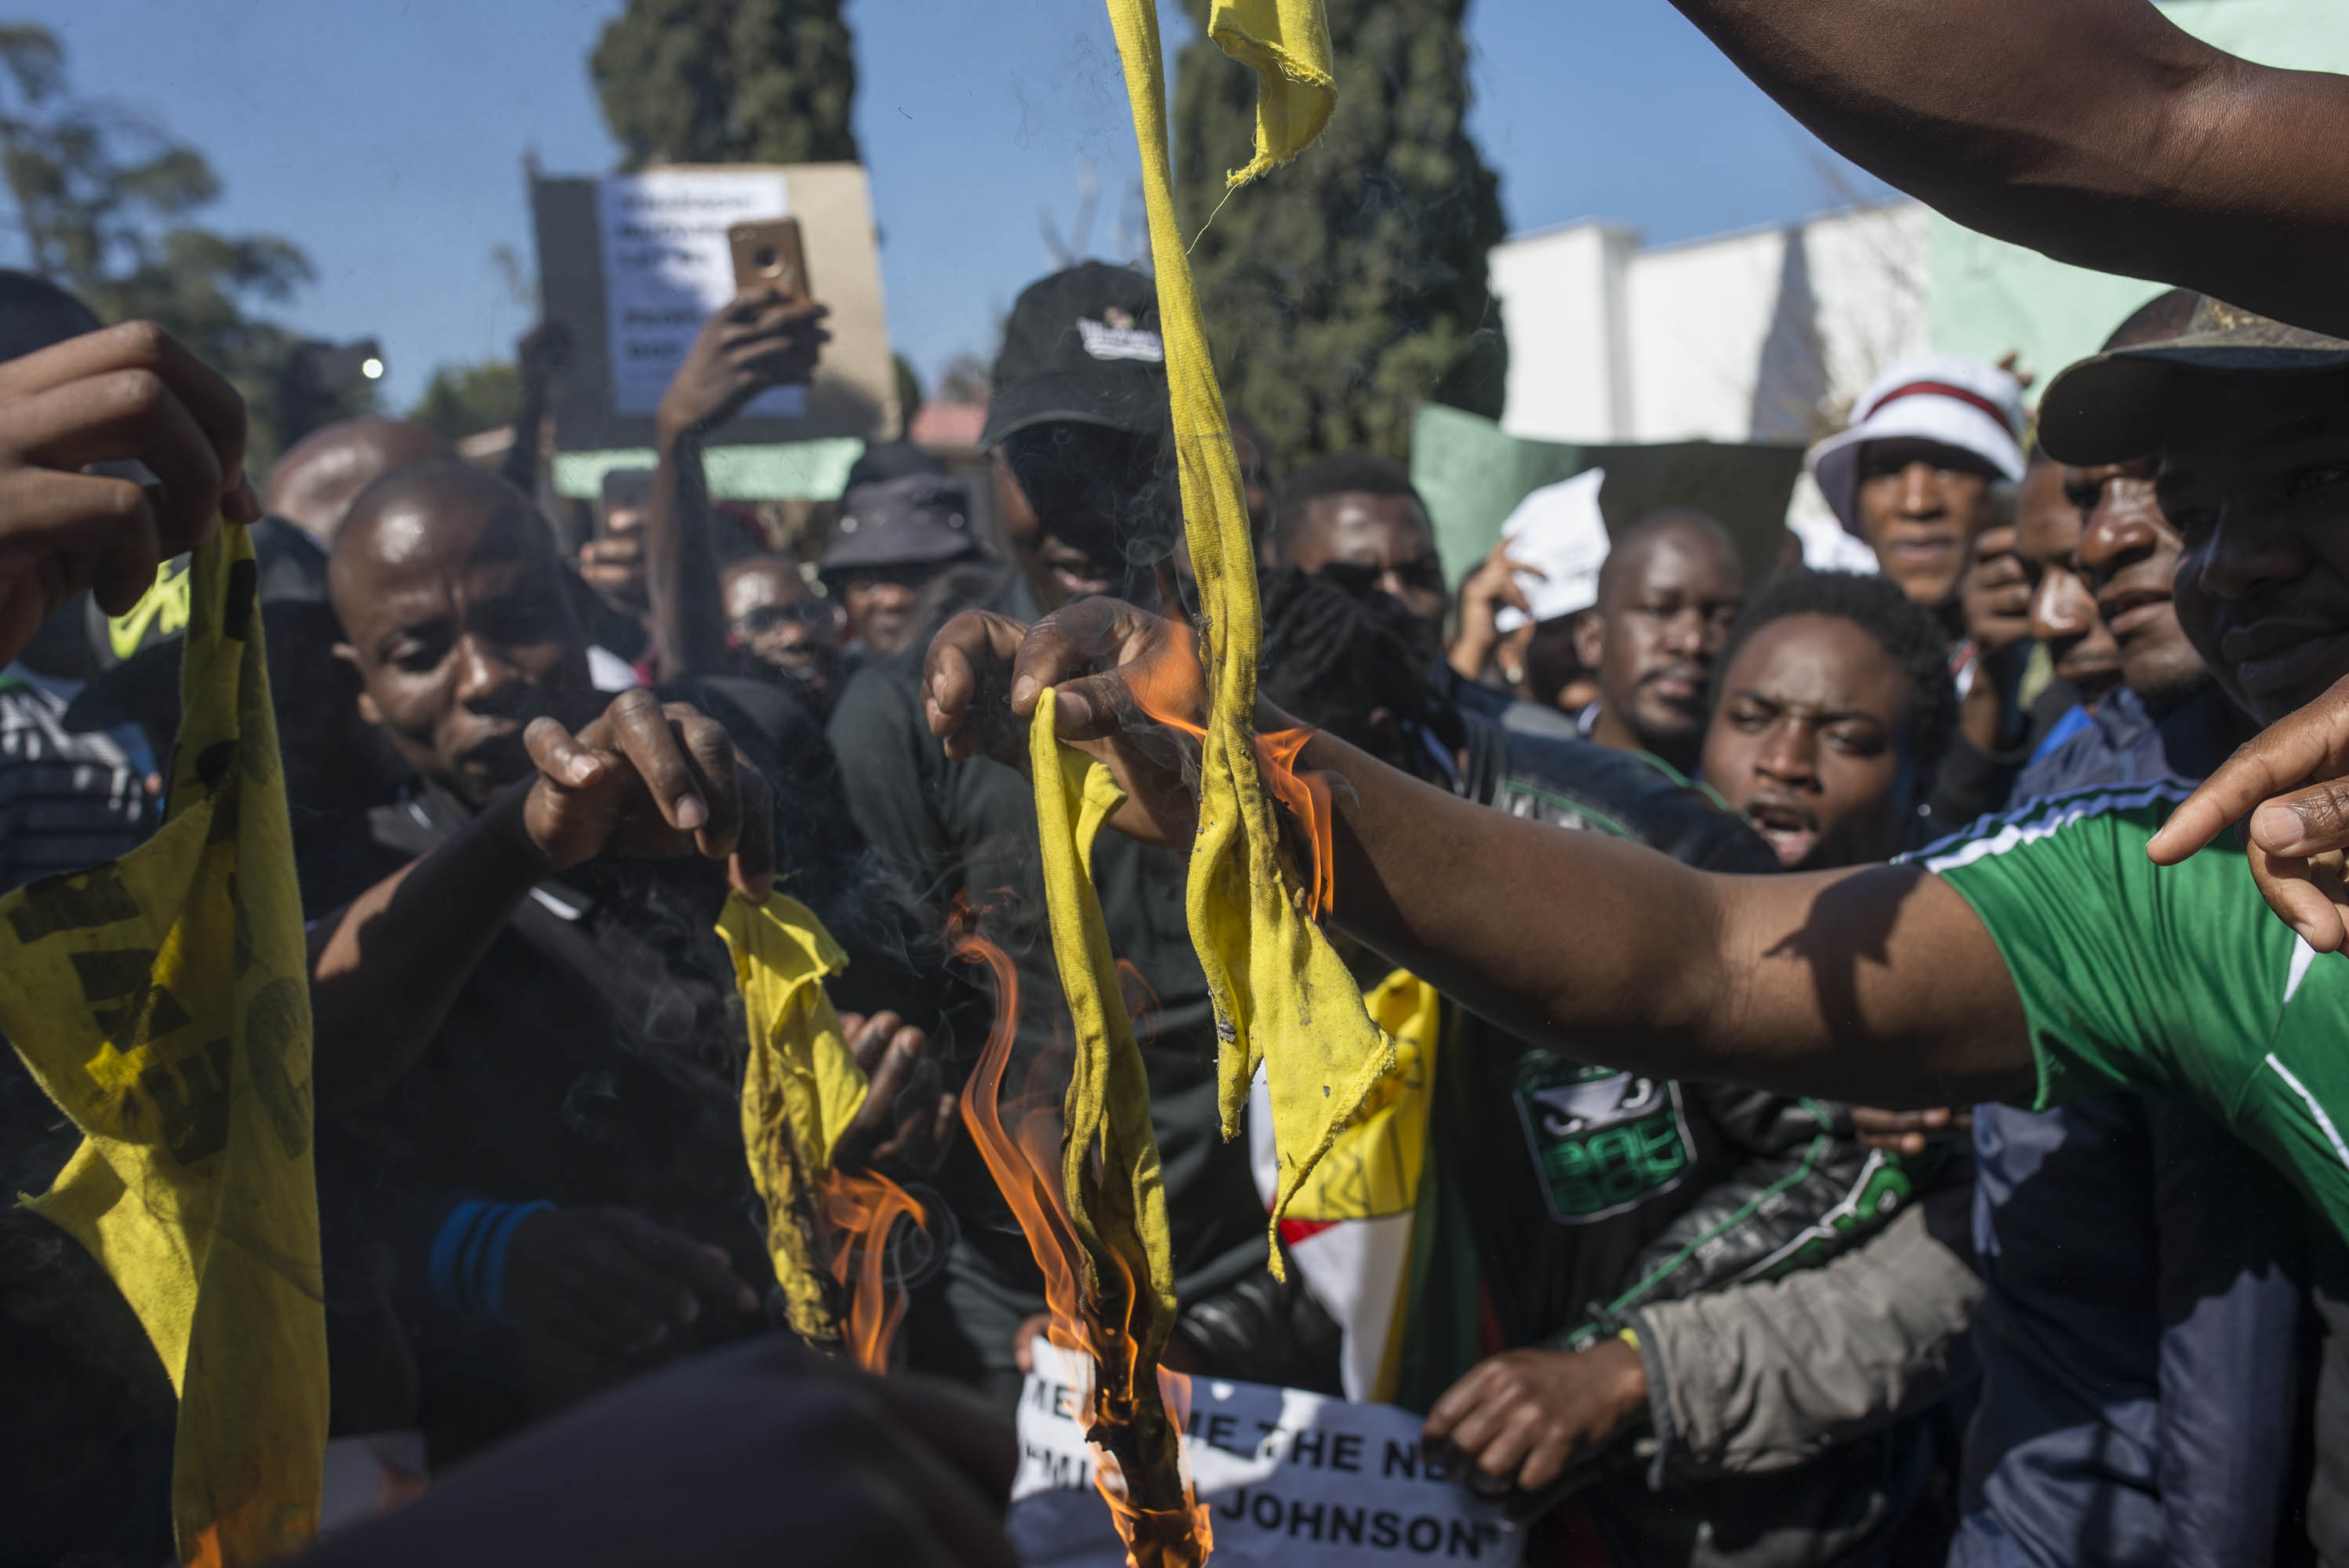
667 268
1559 532
1289 1478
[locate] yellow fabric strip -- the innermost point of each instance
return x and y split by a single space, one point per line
1282 998
801 1088
1373 1164
1120 1213
163 1001
1287 43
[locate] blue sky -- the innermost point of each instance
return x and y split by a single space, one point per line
388 139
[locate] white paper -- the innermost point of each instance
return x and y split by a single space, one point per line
1291 1479
1558 530
668 269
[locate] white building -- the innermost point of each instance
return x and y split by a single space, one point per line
1767 335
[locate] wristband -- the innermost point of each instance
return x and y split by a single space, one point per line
467 1267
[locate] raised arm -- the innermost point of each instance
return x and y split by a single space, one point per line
642 779
761 340
2093 130
1876 985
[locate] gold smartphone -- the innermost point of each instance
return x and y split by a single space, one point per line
768 255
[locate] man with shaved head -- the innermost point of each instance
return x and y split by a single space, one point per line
1667 596
529 1049
320 475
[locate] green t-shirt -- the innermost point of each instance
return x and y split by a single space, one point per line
2174 982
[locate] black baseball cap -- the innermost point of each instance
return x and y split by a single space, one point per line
920 519
1082 345
2114 407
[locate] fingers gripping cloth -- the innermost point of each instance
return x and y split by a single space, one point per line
163 1001
1282 998
801 1088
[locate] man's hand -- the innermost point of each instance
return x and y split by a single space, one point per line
908 1115
651 781
1488 588
2292 780
1909 1133
761 1453
761 339
129 393
1523 1418
613 564
613 1284
1996 595
1118 674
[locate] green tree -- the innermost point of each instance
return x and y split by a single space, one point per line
1347 287
727 82
102 202
464 400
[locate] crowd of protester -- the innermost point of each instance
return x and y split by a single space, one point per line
1869 1125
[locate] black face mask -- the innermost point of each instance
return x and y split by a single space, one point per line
1110 493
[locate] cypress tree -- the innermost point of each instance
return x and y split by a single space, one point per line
727 82
1348 286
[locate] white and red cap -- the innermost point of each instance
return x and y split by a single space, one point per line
1962 404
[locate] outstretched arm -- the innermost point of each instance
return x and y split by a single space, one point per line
2094 131
1878 984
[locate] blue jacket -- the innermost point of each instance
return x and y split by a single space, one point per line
2142 1343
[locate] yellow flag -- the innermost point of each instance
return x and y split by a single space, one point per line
1120 1213
1282 998
163 1000
1287 43
1373 1164
801 1088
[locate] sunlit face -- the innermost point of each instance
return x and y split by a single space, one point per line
1922 504
2255 478
1389 534
2128 556
1669 607
2064 616
1813 742
462 633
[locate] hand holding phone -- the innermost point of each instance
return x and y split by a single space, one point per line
768 254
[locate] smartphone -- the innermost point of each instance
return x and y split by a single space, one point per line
768 254
627 493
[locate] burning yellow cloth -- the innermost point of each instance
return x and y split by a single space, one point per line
1282 998
801 1088
1119 1215
163 1000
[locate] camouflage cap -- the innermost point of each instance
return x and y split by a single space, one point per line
2114 407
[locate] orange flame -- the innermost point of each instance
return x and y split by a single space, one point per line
1159 1530
1160 686
862 1209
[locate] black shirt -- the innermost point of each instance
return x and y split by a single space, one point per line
968 829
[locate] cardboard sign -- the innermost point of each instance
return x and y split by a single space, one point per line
666 270
1289 1478
634 263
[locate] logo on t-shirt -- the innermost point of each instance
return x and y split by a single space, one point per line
1601 1140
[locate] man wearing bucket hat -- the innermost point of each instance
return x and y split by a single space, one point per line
893 538
1918 478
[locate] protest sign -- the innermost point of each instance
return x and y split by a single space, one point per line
1297 1478
666 270
634 263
